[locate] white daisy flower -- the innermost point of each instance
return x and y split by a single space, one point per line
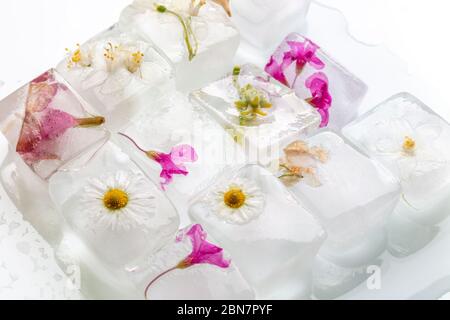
118 202
239 202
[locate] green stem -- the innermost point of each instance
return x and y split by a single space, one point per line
187 30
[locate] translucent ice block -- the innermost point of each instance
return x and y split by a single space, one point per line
316 77
213 35
351 194
118 73
270 236
213 278
256 19
41 122
48 123
177 121
114 207
280 114
412 142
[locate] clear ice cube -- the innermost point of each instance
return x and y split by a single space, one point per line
118 73
284 115
256 19
270 236
411 141
48 123
352 195
311 72
159 279
217 39
177 121
113 206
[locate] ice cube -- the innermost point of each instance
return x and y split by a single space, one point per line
316 77
48 123
212 37
179 272
113 206
118 73
411 141
256 19
177 121
260 113
351 194
270 236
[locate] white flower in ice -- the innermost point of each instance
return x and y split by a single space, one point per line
239 202
410 145
119 202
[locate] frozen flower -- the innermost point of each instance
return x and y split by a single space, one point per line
238 202
78 58
118 202
43 124
276 71
321 98
203 252
300 53
410 144
299 163
252 101
171 163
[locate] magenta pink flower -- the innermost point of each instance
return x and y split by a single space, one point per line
43 124
203 252
171 163
300 53
321 98
276 71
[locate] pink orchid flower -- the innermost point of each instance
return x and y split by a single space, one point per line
321 98
302 53
171 163
43 124
203 252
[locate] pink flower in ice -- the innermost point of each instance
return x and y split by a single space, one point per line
276 71
43 124
300 53
203 252
321 98
171 163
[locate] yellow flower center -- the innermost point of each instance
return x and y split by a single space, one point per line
115 199
136 61
409 145
234 198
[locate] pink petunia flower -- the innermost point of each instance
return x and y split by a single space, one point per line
276 71
321 98
300 53
171 163
203 252
43 124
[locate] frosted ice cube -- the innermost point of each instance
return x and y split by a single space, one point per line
217 38
3 148
312 73
118 73
177 121
270 236
286 115
159 279
256 19
47 123
411 141
110 204
351 194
